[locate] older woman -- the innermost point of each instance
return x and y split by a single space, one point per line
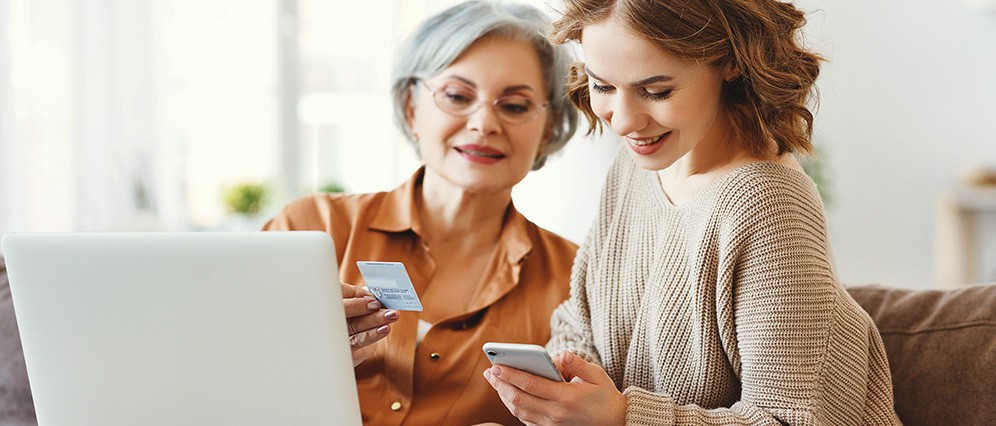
479 92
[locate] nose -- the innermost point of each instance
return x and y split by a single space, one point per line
484 120
626 115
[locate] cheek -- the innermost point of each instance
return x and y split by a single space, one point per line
528 138
600 105
668 113
431 125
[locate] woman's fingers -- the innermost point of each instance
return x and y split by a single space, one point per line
534 385
350 291
371 321
361 344
360 306
528 408
366 321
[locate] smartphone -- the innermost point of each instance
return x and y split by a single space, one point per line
529 358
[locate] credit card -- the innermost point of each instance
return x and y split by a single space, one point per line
390 284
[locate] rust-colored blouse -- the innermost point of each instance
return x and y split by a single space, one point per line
439 381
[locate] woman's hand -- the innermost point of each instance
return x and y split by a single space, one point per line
588 398
366 321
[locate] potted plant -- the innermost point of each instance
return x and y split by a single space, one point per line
245 200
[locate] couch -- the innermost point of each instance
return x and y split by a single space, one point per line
16 408
941 346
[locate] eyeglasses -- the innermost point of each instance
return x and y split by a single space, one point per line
460 100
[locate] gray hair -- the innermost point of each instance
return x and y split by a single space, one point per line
443 37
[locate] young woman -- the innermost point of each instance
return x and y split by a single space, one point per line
480 93
705 292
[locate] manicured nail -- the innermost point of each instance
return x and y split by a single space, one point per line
383 329
487 374
391 315
496 370
373 306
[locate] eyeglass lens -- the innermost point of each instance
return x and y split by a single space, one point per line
462 100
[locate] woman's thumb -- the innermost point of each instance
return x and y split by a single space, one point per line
576 368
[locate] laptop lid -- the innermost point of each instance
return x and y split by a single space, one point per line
182 328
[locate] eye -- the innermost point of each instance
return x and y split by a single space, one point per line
656 96
515 105
457 96
601 89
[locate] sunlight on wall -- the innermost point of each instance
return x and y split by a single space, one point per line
219 97
137 115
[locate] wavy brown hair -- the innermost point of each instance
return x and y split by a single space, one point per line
767 103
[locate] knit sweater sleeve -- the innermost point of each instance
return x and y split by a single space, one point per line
801 353
571 322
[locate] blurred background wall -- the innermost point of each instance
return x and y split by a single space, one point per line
146 114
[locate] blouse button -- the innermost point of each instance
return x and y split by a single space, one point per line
396 406
434 356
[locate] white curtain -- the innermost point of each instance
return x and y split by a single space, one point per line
133 115
8 190
77 113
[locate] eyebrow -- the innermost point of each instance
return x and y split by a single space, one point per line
644 82
509 89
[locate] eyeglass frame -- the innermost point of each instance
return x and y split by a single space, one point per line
480 102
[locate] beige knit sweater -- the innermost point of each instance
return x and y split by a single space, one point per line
724 310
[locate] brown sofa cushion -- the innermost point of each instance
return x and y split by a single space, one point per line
941 346
16 406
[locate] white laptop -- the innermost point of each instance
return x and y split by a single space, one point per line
182 328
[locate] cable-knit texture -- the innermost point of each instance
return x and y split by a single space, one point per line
724 310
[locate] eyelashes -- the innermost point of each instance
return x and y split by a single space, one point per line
651 96
601 89
659 96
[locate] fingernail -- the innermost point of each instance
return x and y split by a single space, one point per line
391 315
487 374
496 370
373 306
567 357
383 329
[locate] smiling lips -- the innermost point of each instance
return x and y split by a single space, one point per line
647 146
480 154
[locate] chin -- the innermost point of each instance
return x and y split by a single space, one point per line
479 185
483 189
651 163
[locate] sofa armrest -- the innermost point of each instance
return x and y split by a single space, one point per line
16 406
941 346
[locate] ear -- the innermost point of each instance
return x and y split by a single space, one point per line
547 134
409 109
548 131
731 71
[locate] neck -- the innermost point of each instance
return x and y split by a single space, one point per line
451 214
717 154
713 155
